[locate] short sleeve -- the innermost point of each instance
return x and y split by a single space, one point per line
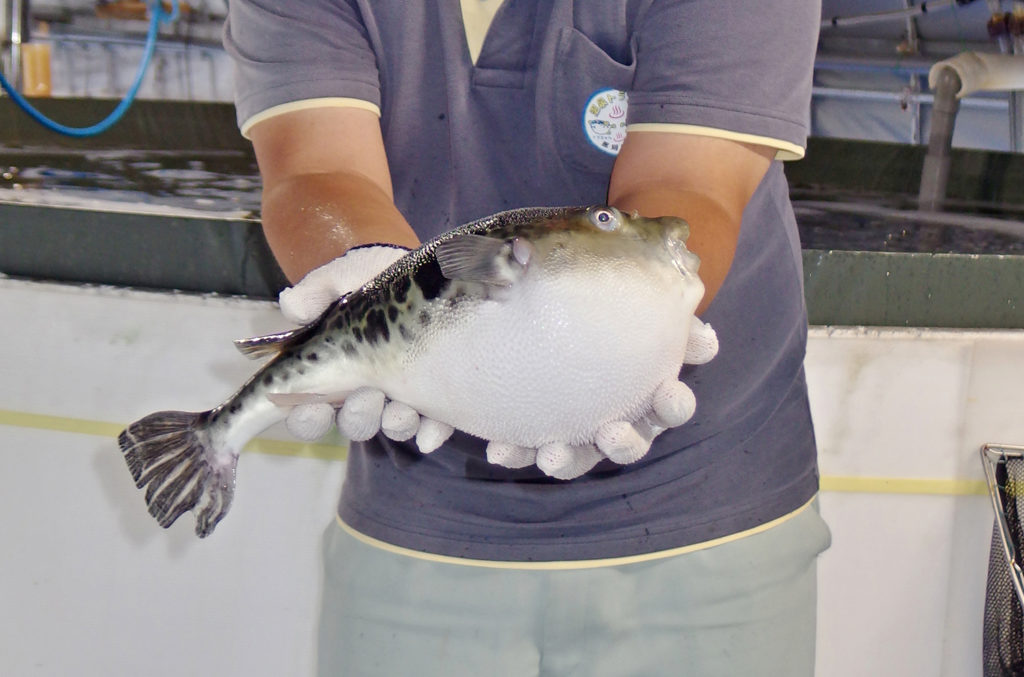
732 65
286 52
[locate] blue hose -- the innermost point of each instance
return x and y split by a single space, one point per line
158 17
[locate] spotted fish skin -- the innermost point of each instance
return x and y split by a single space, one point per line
425 331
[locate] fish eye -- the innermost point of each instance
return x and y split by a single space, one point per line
605 218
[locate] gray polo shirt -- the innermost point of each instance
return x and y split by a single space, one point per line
536 120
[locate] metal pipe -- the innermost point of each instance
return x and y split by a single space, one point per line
872 65
13 32
57 37
896 97
887 15
913 46
935 172
5 30
1016 109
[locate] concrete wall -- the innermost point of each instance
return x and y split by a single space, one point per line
91 586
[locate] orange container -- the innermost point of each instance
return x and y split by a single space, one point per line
35 69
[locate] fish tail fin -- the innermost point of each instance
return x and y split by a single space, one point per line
170 454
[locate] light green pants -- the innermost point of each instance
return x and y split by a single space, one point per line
746 607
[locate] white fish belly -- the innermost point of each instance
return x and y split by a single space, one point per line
554 357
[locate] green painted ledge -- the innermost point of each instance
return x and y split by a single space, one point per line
914 289
230 256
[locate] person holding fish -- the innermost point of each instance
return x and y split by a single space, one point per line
559 488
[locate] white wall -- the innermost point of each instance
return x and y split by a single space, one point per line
900 416
91 586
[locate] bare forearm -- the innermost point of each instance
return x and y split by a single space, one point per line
326 186
705 180
713 230
311 219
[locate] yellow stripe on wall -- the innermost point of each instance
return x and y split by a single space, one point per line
24 419
904 485
335 452
81 426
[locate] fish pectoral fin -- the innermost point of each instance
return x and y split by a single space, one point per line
259 347
478 258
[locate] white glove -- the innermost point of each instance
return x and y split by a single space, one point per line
671 405
322 286
367 410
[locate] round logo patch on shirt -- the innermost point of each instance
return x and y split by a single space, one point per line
604 120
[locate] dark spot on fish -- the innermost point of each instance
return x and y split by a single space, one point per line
405 333
430 279
329 339
348 348
377 326
300 371
359 305
234 408
424 318
312 357
339 322
392 313
268 379
401 288
357 334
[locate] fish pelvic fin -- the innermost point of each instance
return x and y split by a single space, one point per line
170 455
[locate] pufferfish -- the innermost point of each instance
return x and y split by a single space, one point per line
530 327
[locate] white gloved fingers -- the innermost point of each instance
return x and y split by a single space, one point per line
399 421
360 416
672 404
510 455
566 462
311 295
648 427
621 442
302 306
310 422
702 344
432 434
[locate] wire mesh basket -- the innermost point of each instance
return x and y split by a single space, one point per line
1003 643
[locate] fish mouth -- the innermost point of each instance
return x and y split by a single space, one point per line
686 261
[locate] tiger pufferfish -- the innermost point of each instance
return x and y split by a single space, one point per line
528 327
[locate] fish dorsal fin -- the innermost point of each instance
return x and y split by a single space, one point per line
269 345
478 258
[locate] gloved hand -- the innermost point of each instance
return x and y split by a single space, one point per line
367 410
671 405
322 286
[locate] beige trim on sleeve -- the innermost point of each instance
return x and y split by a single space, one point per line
326 102
784 149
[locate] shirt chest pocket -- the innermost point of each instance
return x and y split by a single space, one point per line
588 102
